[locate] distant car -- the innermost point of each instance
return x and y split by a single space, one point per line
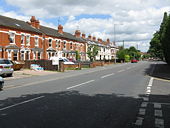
1 83
134 61
65 60
6 67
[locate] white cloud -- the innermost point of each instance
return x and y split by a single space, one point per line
140 18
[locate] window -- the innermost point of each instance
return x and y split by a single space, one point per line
39 55
22 55
12 37
56 45
59 44
50 42
15 56
36 41
22 39
71 45
27 39
64 44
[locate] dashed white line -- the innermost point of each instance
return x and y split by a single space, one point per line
107 75
128 68
80 84
121 71
27 101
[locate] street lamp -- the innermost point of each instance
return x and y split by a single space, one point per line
115 36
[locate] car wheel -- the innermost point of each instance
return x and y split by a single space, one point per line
10 75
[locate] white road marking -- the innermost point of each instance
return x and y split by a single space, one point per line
150 81
80 84
128 68
107 75
148 90
27 101
121 71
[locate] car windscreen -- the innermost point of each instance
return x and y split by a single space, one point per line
5 62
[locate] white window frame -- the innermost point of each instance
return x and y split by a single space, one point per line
71 45
22 38
13 38
50 43
28 39
36 39
64 43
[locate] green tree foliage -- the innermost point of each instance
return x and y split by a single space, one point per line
127 58
160 43
128 54
165 40
156 47
77 55
92 52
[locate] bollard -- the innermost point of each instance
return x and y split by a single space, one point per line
1 83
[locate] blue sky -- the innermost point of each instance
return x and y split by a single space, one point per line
136 20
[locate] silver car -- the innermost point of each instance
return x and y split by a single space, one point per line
6 67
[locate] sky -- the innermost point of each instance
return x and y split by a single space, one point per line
131 21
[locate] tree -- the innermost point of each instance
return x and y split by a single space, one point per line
165 39
129 53
92 52
77 55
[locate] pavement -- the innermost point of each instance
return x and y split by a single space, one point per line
162 70
115 96
29 73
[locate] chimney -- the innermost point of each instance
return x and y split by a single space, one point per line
108 41
77 33
94 38
83 36
89 37
33 20
37 24
99 40
34 23
60 29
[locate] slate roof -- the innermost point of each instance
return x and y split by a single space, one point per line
22 25
17 24
54 32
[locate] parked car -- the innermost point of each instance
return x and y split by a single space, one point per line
134 61
1 83
6 67
65 60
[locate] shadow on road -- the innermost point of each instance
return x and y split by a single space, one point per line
71 109
160 70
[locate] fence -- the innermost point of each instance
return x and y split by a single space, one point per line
46 64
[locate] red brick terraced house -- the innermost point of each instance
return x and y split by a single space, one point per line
20 40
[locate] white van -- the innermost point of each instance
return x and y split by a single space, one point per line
65 60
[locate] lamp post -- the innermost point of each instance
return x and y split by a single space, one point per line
115 35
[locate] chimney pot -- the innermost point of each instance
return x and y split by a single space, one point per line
60 29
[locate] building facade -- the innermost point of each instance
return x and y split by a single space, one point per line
20 40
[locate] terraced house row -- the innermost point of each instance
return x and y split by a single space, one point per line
20 40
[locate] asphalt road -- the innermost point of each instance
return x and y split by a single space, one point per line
115 96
